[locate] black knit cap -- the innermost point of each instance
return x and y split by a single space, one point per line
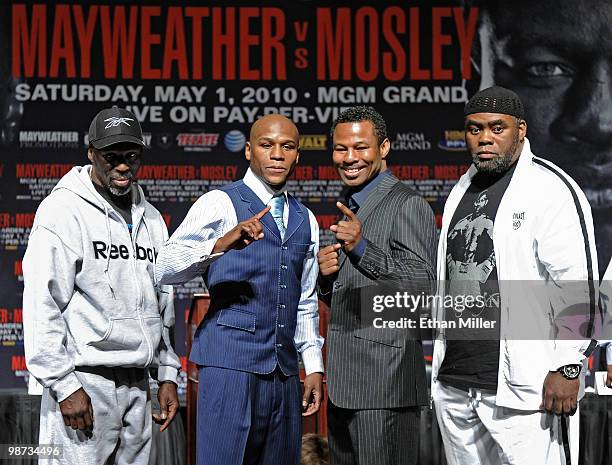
495 99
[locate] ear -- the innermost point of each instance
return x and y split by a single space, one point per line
384 148
247 151
297 158
90 154
522 129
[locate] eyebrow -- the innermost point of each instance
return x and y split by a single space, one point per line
358 142
562 45
496 122
271 139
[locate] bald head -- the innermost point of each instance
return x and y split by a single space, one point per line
263 125
272 149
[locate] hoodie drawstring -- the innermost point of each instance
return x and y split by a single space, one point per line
156 284
151 242
108 231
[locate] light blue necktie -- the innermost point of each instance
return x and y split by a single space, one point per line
277 204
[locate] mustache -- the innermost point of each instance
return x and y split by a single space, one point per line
486 152
128 177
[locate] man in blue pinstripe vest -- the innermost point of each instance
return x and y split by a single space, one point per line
256 247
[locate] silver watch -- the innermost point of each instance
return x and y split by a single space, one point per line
570 371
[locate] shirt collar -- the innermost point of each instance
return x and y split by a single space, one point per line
361 195
261 189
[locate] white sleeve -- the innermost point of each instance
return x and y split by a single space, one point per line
561 248
187 253
307 337
168 363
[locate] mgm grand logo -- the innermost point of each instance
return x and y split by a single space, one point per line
410 141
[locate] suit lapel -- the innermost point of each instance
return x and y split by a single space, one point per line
376 197
255 206
296 218
373 200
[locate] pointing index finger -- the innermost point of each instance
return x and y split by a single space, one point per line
261 214
346 210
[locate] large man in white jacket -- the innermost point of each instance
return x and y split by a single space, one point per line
507 398
95 319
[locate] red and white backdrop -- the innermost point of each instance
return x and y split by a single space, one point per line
197 74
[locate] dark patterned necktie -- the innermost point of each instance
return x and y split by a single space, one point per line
353 206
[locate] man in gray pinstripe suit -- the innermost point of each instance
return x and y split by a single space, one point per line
376 378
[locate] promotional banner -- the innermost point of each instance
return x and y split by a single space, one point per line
198 74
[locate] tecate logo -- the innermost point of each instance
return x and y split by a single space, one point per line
234 141
197 141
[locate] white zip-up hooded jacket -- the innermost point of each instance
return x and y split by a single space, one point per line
89 293
552 242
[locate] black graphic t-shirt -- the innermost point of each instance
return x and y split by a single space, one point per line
472 346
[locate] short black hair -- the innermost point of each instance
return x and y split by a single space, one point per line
359 114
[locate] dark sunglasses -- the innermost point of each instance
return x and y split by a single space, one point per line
115 158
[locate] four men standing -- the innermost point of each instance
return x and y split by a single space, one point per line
257 248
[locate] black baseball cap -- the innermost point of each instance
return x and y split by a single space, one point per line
114 125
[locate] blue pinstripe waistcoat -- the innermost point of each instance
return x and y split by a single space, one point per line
255 293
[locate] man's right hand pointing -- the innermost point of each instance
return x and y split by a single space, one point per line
243 234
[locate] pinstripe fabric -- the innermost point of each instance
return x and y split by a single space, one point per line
263 310
373 437
368 368
400 229
260 423
255 294
187 254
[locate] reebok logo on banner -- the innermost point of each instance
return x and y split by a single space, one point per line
114 122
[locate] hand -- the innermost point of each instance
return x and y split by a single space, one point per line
560 395
168 404
609 377
313 394
328 259
77 411
348 232
243 234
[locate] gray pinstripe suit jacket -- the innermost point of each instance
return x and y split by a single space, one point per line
369 368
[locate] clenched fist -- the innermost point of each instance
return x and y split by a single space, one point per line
328 259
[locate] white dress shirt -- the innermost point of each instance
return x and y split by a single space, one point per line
188 253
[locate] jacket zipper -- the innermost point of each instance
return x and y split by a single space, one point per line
140 294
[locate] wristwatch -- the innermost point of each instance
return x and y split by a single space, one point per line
570 371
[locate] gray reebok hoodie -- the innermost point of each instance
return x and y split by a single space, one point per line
90 297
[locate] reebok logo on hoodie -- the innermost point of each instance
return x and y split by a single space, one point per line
122 251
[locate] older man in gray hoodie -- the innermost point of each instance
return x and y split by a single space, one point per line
95 320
